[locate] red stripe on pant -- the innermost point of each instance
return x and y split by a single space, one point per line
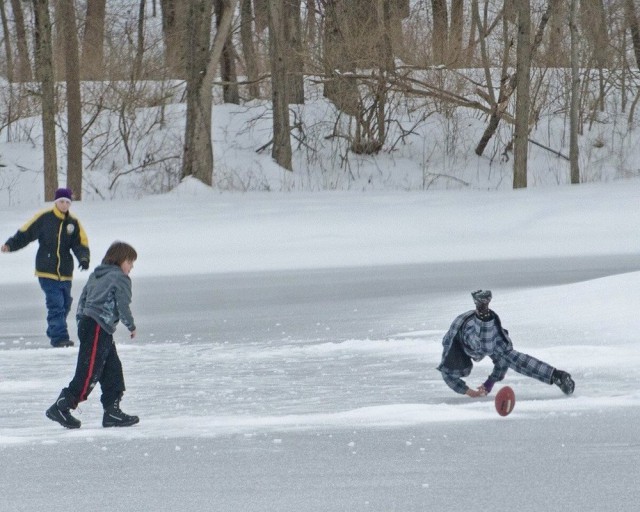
92 362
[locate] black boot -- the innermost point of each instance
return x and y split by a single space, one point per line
564 381
114 417
60 411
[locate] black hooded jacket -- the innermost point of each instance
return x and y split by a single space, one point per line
58 234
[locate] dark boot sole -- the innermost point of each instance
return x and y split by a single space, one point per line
59 422
121 423
63 344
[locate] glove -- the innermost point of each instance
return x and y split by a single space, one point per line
84 265
488 385
482 298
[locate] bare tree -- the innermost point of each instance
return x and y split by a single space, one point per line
202 61
44 69
23 66
557 29
473 31
228 72
456 33
594 20
74 101
575 96
509 84
176 32
137 64
261 14
248 48
93 42
355 36
7 42
294 51
523 70
281 150
337 59
440 31
57 41
310 29
634 28
198 150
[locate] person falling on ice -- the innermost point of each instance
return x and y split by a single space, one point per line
479 333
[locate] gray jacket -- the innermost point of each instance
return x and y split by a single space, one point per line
106 298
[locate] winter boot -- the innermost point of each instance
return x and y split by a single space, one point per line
564 381
60 411
114 417
62 344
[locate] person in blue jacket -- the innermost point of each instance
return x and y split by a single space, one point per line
479 333
59 233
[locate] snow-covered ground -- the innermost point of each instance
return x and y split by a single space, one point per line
286 351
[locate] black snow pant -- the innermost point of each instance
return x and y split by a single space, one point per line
98 361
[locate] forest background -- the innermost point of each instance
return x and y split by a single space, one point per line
128 97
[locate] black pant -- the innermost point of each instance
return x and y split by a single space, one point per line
98 361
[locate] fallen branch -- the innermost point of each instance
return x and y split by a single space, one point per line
555 152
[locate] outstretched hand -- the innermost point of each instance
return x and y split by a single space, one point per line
5 248
476 393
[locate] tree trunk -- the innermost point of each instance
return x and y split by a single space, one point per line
440 31
294 51
58 42
575 93
197 158
198 150
74 102
23 66
338 88
310 30
399 10
137 63
557 26
248 48
281 151
634 28
594 22
93 42
456 33
523 70
261 12
175 33
44 67
7 42
228 71
471 46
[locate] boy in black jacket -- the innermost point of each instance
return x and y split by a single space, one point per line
58 233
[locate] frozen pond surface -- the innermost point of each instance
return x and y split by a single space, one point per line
315 391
